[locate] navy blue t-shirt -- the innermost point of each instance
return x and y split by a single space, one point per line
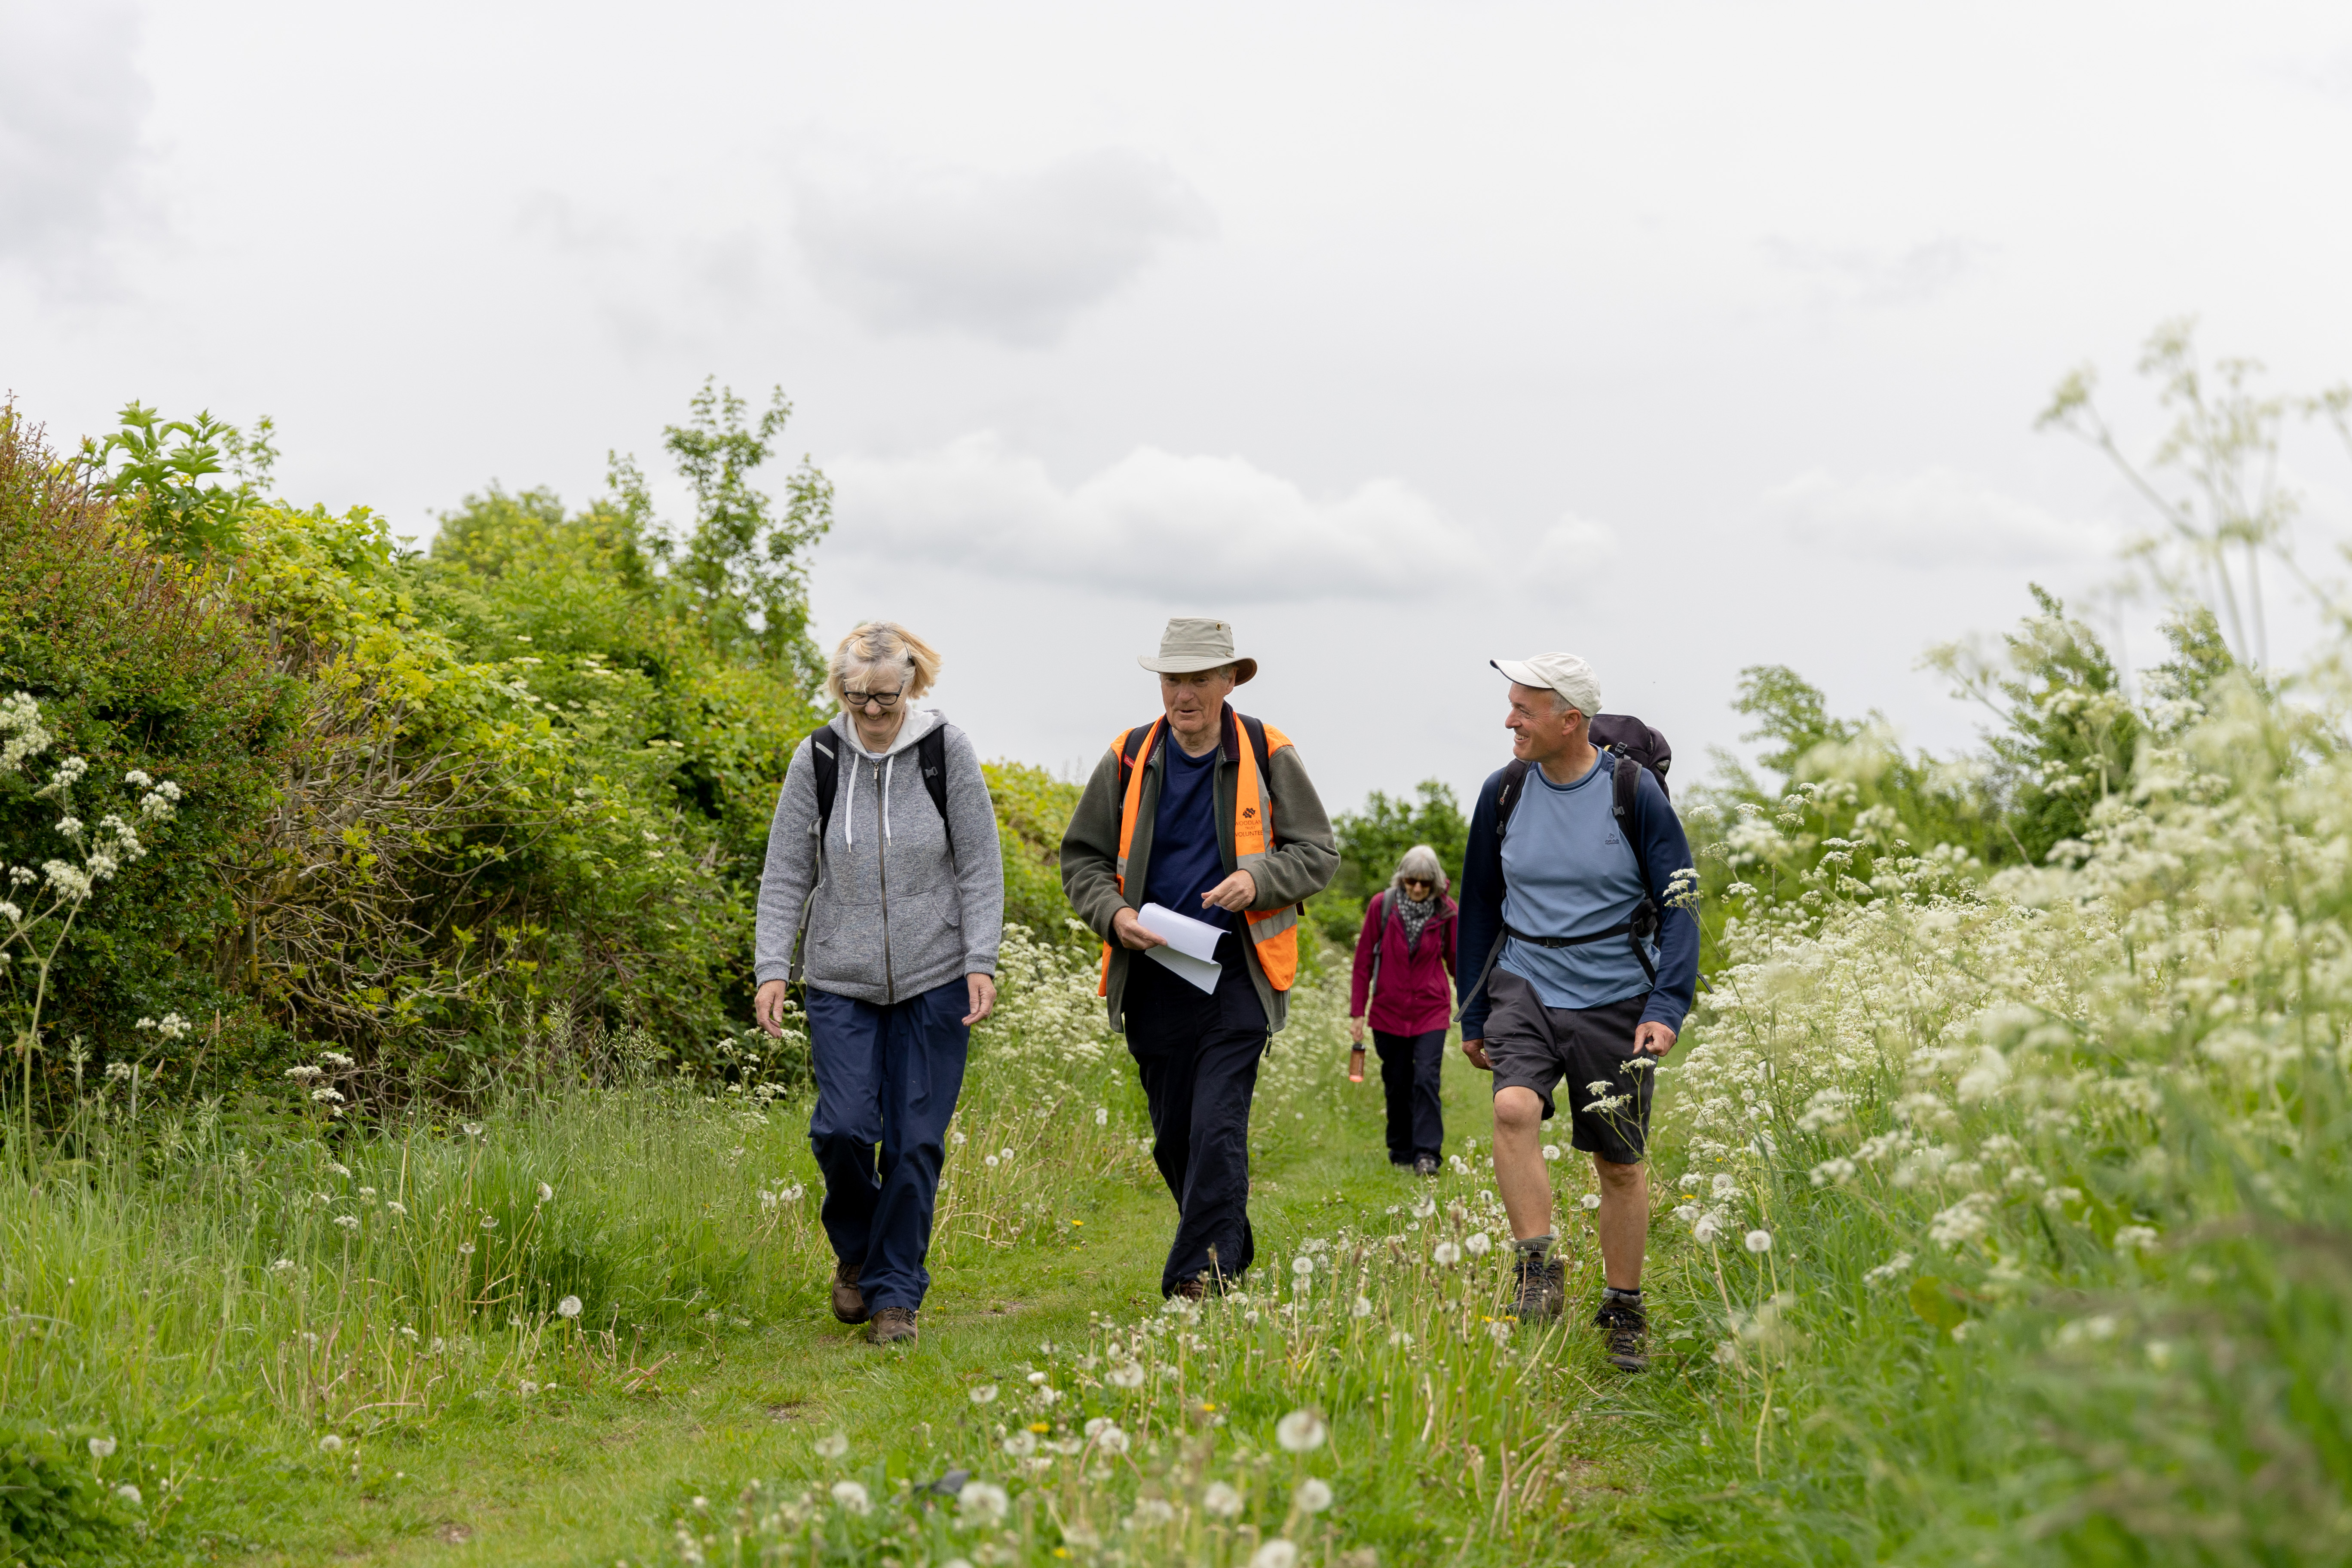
1185 860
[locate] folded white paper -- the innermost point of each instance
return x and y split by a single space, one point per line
1189 943
1194 939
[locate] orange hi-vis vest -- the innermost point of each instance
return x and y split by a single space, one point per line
1274 932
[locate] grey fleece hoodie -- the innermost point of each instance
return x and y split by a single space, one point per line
895 913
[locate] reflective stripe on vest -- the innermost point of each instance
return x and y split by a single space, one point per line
1274 932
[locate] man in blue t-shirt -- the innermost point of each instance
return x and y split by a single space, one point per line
1565 977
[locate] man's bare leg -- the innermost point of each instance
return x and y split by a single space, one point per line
1623 1219
1520 1171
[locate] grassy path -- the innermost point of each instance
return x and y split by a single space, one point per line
596 1475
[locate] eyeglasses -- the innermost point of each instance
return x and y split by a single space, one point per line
1419 882
885 701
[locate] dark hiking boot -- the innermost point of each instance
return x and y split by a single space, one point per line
1542 1288
1196 1289
848 1304
1625 1332
891 1325
1426 1165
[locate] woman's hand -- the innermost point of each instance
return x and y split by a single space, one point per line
768 1007
984 997
1356 1032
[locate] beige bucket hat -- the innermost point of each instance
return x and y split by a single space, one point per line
1194 643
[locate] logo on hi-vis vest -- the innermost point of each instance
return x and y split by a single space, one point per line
1249 811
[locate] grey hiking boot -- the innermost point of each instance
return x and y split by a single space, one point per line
1625 1329
1426 1165
892 1324
849 1302
1542 1288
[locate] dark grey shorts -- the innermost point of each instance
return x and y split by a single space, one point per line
1535 1046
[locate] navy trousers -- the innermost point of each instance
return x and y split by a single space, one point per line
1411 1069
1198 1058
887 1081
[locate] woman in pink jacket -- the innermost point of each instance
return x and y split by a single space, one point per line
1405 965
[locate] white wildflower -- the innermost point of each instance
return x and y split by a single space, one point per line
1551 1152
1314 1495
1221 1499
986 1394
832 1446
330 1444
568 1308
1759 1241
128 1493
1590 1202
101 1447
1363 1307
1276 1554
852 1499
1477 1243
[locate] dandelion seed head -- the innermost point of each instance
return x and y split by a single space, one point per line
1300 1432
984 1394
1314 1495
850 1496
1759 1241
568 1308
1221 1499
101 1447
330 1444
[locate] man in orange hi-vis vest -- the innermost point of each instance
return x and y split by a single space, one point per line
1210 814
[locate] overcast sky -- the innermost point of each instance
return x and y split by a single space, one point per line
1686 337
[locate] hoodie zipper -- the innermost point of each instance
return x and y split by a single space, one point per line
882 871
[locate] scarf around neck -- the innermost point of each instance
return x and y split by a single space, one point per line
1415 915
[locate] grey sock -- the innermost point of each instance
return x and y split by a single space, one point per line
1630 1298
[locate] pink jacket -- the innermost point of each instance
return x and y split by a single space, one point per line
1416 993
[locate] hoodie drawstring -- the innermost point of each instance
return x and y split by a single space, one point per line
884 770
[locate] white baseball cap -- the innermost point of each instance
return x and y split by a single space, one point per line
1563 673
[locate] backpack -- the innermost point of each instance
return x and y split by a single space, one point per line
930 756
1628 743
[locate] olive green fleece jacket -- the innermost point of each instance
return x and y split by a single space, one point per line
1305 854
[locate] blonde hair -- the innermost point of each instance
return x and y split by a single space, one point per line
1420 865
888 646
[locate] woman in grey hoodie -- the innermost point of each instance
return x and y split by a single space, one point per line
885 889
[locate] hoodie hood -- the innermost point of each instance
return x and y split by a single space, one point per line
918 723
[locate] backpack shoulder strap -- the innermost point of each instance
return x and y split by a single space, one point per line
825 754
931 755
1515 779
1625 784
1129 746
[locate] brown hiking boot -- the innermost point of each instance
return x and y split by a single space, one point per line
892 1324
1543 1289
1193 1290
1625 1328
848 1305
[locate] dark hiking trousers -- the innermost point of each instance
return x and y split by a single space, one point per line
887 1081
1198 1056
1411 1067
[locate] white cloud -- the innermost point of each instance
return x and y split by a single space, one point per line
1011 258
1862 275
1935 518
1153 524
71 104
